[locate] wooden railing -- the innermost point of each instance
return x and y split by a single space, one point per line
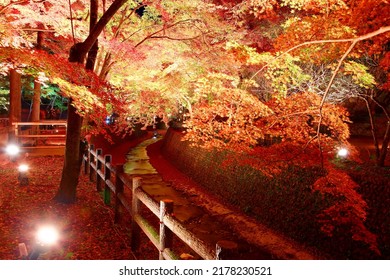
112 180
44 132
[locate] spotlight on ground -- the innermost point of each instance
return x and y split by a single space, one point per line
23 168
22 176
47 235
12 149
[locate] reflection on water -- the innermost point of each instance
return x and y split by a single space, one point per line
138 160
152 183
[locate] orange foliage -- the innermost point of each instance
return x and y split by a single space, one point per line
297 118
227 120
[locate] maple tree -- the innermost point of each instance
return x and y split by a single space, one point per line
236 71
72 162
73 154
365 47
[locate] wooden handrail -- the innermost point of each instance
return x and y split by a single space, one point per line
51 122
39 133
100 166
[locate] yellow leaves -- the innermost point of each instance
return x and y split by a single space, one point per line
360 74
322 6
290 21
258 8
84 100
245 54
282 73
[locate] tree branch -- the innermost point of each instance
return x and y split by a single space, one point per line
353 41
357 39
4 8
153 35
99 26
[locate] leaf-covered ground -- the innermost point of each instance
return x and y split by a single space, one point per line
86 227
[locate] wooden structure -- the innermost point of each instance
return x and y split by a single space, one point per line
111 179
43 133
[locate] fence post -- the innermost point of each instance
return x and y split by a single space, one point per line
225 250
107 176
166 235
118 190
86 161
99 152
135 207
91 160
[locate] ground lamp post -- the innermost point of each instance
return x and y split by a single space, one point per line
23 175
12 150
46 237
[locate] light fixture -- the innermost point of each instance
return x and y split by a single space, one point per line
12 149
22 176
23 168
343 152
47 235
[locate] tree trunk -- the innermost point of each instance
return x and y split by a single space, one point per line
36 107
106 66
15 100
380 152
371 112
92 54
72 162
383 153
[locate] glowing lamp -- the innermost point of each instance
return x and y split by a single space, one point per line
342 152
47 235
12 150
22 176
23 168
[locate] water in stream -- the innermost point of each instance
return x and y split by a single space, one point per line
195 219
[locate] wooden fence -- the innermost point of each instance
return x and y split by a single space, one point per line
112 180
45 133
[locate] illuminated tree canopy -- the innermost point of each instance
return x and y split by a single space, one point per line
235 71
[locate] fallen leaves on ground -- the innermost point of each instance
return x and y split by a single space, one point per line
86 227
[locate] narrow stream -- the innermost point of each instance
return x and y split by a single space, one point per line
201 223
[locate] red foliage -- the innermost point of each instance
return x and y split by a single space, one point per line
350 209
